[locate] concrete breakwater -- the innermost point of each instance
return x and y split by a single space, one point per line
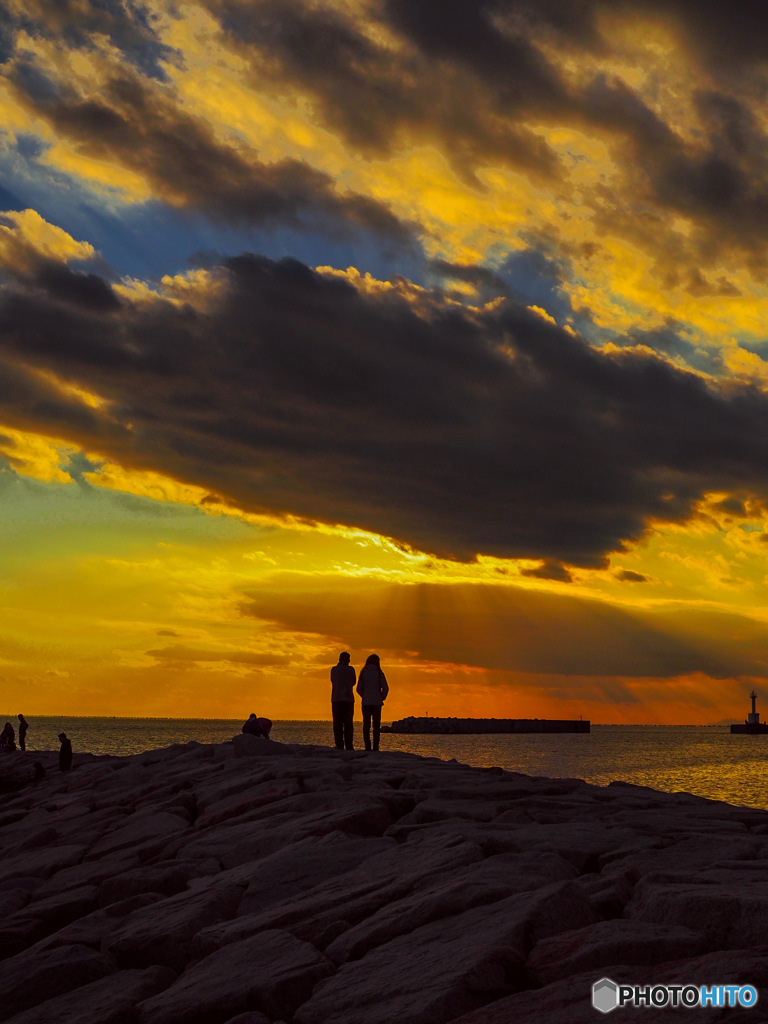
250 882
470 726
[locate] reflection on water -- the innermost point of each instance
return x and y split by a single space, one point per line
707 761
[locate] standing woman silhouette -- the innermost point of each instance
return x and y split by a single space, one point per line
373 689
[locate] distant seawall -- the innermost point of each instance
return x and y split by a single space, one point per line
467 726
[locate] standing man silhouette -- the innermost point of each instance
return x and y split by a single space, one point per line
23 726
343 702
65 753
373 689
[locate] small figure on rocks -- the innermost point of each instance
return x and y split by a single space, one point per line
65 753
373 689
343 680
7 738
23 726
257 726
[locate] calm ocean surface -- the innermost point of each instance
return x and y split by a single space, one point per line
707 760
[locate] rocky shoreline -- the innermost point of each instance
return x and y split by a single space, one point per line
251 882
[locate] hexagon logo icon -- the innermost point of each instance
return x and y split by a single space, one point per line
605 995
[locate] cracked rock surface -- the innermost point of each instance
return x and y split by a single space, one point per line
252 882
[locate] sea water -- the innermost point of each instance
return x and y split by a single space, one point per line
705 760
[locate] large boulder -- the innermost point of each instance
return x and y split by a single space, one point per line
90 872
350 897
111 1000
447 967
41 863
92 929
143 833
726 916
36 975
361 815
246 798
162 933
448 894
42 917
18 770
246 745
167 879
302 866
609 942
272 972
569 1001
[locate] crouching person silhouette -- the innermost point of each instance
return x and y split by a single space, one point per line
257 726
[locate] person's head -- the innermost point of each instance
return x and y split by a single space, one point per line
252 715
8 725
372 659
20 718
344 658
62 737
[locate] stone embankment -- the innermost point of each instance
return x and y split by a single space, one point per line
474 726
250 882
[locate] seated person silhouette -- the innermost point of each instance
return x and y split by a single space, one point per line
7 738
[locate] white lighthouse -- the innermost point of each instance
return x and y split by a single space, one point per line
754 717
752 725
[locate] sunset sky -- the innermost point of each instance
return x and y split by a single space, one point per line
435 328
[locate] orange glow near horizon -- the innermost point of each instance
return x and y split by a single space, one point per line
196 614
174 544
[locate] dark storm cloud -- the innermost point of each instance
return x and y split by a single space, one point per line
373 95
729 36
77 287
455 431
31 402
139 126
722 35
473 76
722 184
130 28
511 628
470 75
464 32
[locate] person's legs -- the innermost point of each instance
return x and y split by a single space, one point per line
349 729
337 706
367 709
376 716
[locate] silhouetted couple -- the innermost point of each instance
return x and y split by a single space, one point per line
372 688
